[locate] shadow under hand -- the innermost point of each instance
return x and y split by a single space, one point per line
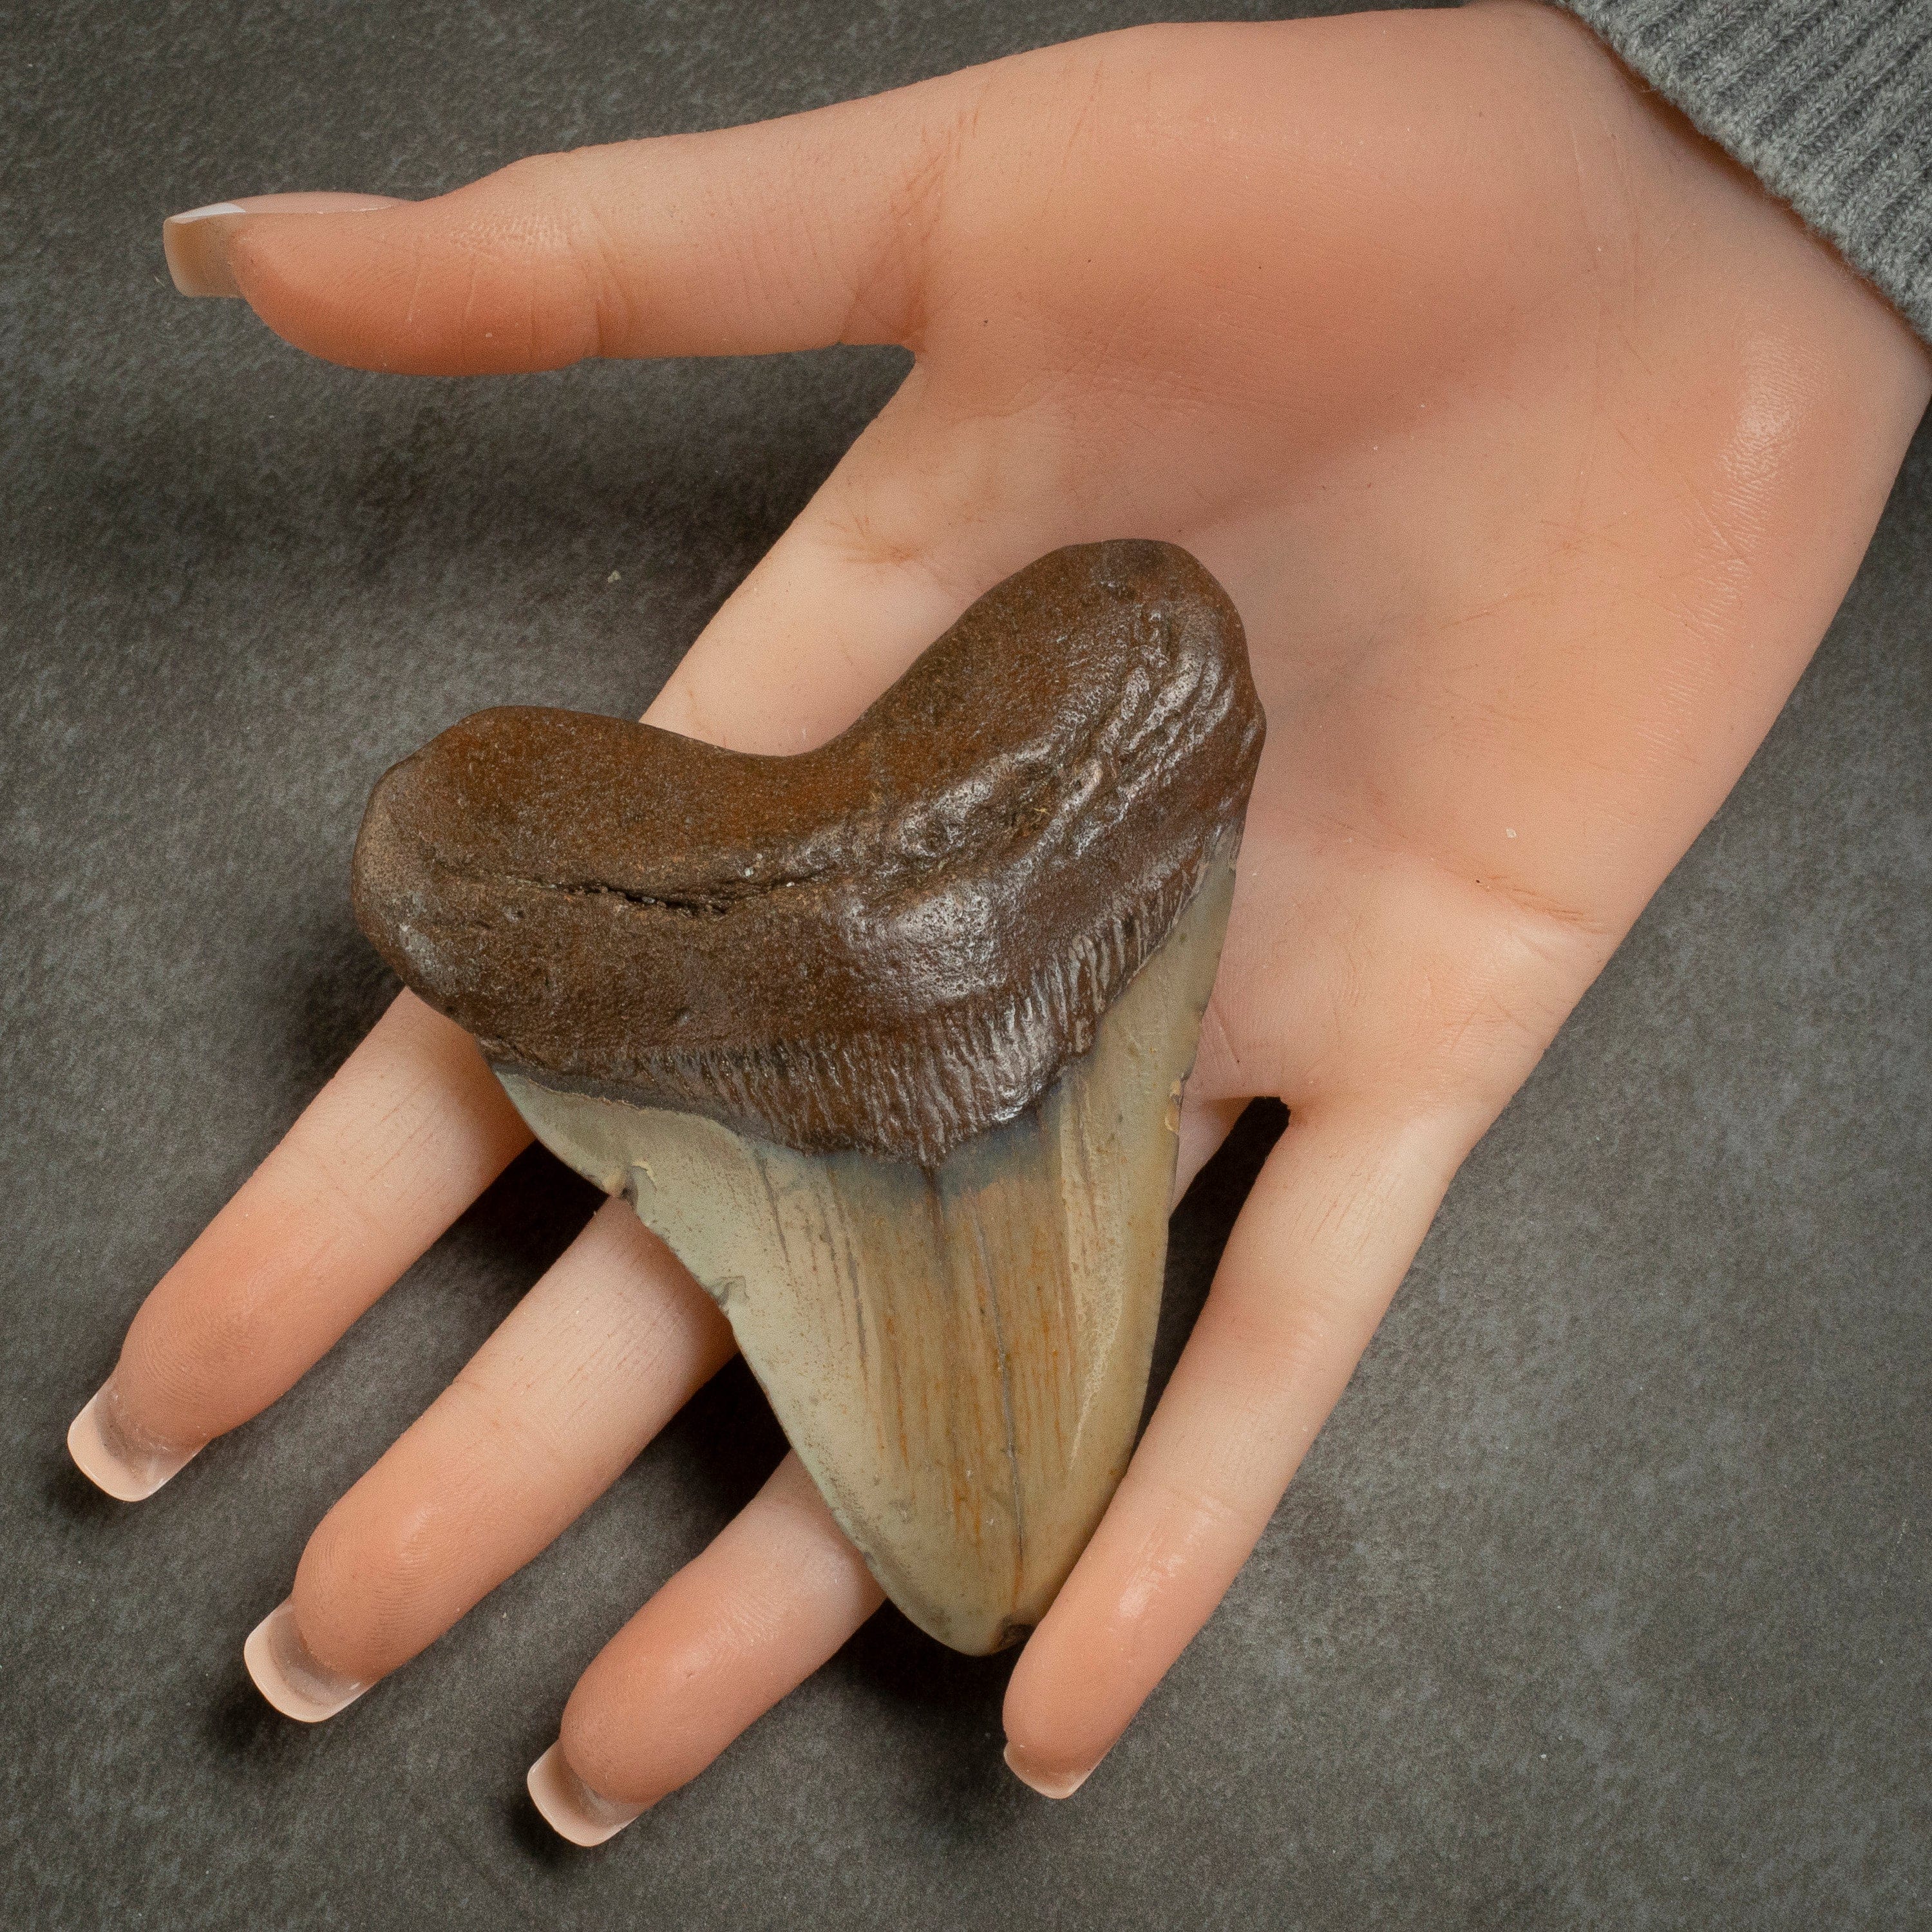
246 1732
70 1493
1199 1232
523 1222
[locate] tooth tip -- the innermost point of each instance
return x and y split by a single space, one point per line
287 1674
569 1807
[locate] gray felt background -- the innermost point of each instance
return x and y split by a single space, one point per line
1601 1601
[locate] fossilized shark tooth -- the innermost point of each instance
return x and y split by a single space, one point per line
887 1040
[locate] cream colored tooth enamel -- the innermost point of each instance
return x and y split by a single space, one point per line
959 1355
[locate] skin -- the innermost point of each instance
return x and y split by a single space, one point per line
1536 446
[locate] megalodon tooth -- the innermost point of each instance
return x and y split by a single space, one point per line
885 1040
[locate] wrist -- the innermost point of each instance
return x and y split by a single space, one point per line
1800 272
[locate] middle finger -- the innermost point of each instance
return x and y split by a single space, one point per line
607 1347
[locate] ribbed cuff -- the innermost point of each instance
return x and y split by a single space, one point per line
1828 102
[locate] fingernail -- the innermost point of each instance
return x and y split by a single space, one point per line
197 243
570 1808
1048 1783
197 246
112 1459
287 1672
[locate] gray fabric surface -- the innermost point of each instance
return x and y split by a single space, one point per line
1828 102
1601 1600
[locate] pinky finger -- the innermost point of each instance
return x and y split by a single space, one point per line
1326 1237
732 1633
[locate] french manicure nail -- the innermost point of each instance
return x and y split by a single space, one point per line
111 1457
1048 1783
197 246
287 1672
569 1807
196 243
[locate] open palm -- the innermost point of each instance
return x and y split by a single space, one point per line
1536 447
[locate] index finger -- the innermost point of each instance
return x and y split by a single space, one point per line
410 1130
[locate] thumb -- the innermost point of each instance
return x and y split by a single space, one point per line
789 234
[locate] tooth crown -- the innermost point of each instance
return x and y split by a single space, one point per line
889 944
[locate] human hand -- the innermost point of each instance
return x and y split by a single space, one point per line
1536 446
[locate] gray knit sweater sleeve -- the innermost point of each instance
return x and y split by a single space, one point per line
1828 102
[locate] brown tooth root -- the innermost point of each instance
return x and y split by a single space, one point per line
885 1040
